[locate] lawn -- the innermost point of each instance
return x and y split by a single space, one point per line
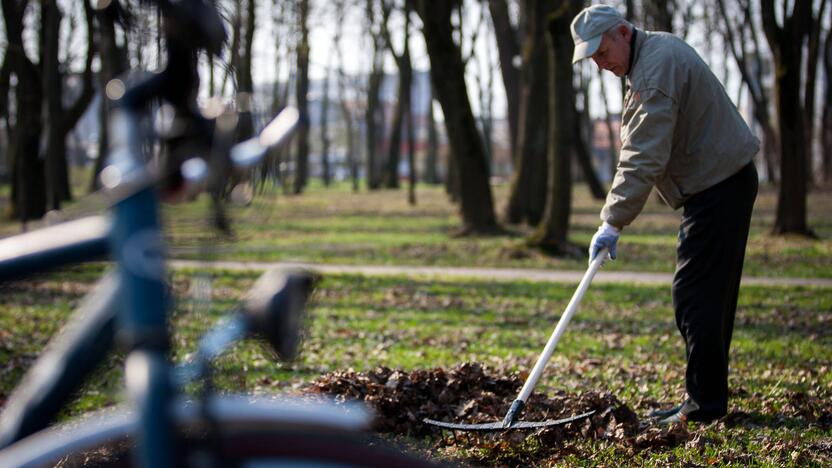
622 343
338 226
335 225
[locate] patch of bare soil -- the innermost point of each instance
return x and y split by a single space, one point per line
471 393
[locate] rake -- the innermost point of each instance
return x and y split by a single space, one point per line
509 421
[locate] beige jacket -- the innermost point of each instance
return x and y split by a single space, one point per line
679 130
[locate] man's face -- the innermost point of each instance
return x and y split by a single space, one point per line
614 52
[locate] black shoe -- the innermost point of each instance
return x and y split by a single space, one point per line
665 413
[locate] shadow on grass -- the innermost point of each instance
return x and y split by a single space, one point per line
774 420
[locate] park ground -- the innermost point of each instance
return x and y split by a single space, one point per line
622 348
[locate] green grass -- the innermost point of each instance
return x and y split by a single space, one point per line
623 340
335 225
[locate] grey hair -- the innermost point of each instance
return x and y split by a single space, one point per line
616 25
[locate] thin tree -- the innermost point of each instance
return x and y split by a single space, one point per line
551 233
485 86
786 42
374 120
323 123
280 90
344 101
301 97
508 47
611 137
245 84
527 192
812 56
403 104
749 64
114 62
583 135
431 172
447 72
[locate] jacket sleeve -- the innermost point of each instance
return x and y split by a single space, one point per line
649 119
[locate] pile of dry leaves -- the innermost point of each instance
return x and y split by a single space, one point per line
470 393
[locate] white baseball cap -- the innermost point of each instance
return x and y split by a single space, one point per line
588 27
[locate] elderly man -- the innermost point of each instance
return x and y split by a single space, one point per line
681 134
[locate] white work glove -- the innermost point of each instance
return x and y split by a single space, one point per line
605 237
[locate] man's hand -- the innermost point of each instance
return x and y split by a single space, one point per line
605 237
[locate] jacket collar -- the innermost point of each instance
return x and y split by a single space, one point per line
635 48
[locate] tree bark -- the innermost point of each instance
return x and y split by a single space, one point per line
658 15
405 68
786 43
346 112
826 125
324 125
613 162
527 193
374 114
813 52
508 47
551 233
301 92
447 73
431 173
113 63
585 160
245 83
28 191
61 120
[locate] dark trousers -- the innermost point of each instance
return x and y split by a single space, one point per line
710 254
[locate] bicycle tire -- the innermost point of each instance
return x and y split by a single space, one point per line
243 440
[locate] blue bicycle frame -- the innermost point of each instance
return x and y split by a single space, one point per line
131 304
132 301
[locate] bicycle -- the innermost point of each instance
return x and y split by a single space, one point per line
129 306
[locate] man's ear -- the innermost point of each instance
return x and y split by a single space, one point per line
625 31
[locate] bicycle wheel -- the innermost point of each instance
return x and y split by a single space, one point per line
251 434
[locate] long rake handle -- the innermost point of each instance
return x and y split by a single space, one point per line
537 371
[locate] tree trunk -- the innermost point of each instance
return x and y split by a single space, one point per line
113 63
585 160
245 83
447 73
302 136
527 194
509 49
658 15
613 162
431 174
374 114
346 112
324 124
813 52
786 44
826 125
551 233
56 180
28 191
391 172
59 120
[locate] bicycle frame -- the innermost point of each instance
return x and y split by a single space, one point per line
131 303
